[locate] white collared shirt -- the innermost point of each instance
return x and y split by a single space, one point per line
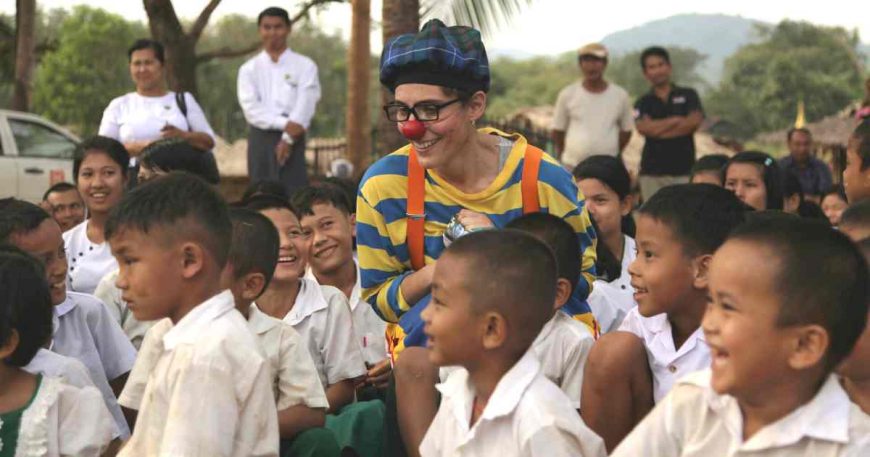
54 365
526 415
695 421
87 262
562 348
322 317
611 301
272 93
84 330
110 295
295 379
209 392
666 362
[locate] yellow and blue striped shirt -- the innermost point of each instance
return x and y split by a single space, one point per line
382 227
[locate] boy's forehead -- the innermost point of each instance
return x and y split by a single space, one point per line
652 229
47 235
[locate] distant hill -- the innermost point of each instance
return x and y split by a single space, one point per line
715 35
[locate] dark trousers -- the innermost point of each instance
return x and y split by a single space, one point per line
263 165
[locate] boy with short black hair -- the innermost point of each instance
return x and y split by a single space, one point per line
325 212
776 330
660 340
83 328
855 221
564 343
492 292
209 392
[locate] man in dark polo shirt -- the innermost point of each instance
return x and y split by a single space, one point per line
667 116
813 174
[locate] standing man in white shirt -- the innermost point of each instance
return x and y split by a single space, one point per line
593 116
278 90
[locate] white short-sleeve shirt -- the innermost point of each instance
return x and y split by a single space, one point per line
64 420
611 301
84 330
666 362
134 117
111 297
209 392
695 421
526 415
295 379
87 261
54 365
562 348
322 317
592 121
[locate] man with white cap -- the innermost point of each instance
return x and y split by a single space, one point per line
592 116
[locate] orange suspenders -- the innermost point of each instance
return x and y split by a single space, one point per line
417 196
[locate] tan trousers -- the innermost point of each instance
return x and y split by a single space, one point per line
649 185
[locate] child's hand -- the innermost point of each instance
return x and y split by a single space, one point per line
379 374
473 221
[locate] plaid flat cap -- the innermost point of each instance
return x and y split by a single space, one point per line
444 56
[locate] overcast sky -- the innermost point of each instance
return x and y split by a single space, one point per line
546 27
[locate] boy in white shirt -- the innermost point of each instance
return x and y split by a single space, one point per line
326 213
320 314
564 343
492 292
660 340
83 328
210 391
776 331
299 395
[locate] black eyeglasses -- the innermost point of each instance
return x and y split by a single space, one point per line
425 111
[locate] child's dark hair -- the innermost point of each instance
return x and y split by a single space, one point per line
857 215
861 140
559 236
811 210
831 290
349 187
264 202
266 187
654 51
182 205
838 190
770 174
19 217
791 186
102 145
305 198
713 163
172 154
700 215
25 304
274 11
254 248
59 187
514 272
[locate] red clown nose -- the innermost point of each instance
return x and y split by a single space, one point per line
413 129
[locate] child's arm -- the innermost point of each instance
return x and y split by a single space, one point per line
662 431
298 418
340 395
342 359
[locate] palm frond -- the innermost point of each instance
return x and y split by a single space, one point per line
488 16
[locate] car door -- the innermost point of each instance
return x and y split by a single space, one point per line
8 163
45 156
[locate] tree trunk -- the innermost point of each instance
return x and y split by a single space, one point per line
25 49
180 65
358 120
398 17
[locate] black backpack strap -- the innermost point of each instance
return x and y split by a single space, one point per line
182 105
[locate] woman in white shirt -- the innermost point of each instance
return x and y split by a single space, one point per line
606 185
152 112
101 177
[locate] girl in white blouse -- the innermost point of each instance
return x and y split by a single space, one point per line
101 177
39 415
152 112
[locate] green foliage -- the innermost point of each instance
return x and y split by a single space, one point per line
626 71
763 82
75 83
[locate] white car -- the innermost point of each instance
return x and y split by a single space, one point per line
34 155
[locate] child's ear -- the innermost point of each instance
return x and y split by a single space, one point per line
808 347
9 347
625 206
193 259
563 292
495 332
701 266
352 220
252 286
